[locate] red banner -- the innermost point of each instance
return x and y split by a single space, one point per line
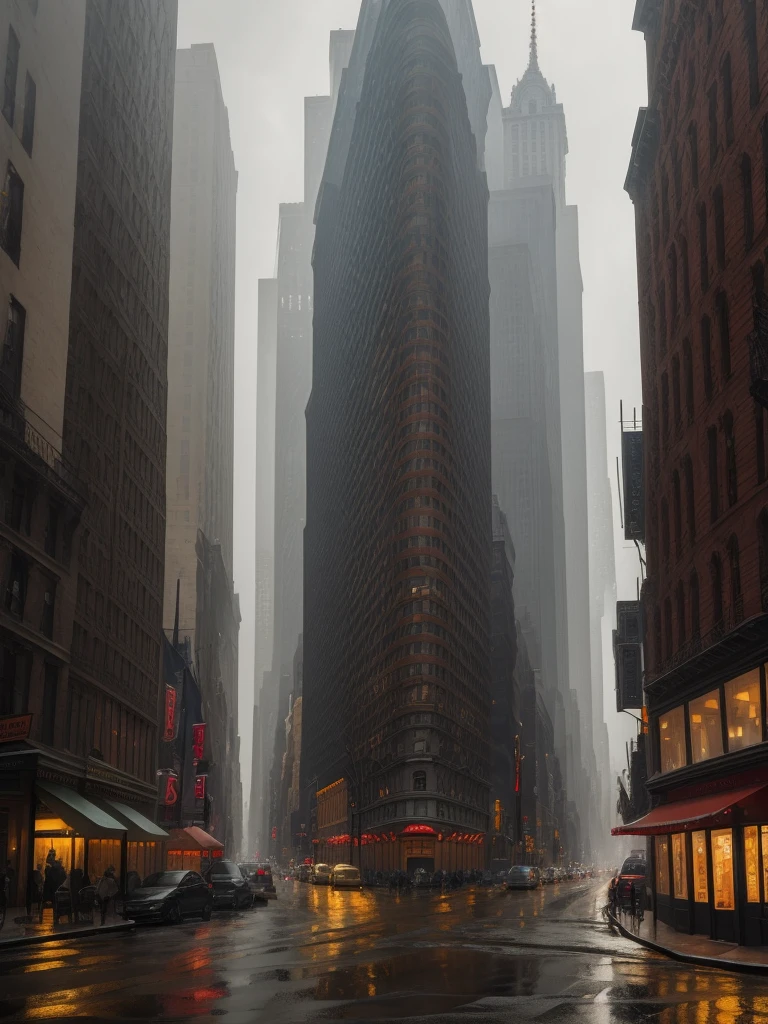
200 787
14 727
198 741
171 790
169 731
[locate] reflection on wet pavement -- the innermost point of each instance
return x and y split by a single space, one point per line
318 955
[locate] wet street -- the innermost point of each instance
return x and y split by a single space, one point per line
317 955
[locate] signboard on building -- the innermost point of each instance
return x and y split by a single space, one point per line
629 677
15 727
629 622
633 473
198 741
169 730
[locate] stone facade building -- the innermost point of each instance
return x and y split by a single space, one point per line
697 178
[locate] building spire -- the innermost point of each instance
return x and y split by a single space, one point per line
533 63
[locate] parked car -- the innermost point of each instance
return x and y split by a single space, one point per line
633 872
259 878
523 876
228 886
346 876
321 874
170 896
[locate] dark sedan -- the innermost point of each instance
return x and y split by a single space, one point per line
228 886
170 896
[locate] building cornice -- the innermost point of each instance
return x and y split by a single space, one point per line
647 13
645 141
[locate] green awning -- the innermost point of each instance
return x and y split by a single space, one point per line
140 829
81 814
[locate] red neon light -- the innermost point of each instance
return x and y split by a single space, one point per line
171 791
198 741
200 787
217 853
418 830
169 731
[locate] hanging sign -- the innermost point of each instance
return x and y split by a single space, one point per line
169 731
171 790
200 787
198 740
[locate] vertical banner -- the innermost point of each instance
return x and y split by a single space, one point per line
633 473
169 731
198 741
200 787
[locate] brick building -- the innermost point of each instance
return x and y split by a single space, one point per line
699 181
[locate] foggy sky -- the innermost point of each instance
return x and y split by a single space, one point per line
271 55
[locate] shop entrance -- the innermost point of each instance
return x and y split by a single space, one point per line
414 863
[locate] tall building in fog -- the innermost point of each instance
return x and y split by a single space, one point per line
539 446
397 554
200 424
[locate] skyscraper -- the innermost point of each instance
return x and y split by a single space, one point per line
397 553
200 460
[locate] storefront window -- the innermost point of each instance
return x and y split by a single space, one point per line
751 864
706 726
722 868
742 703
102 854
679 867
700 885
672 739
662 865
764 843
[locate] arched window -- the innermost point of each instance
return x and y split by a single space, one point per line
664 407
706 354
668 637
760 445
420 781
730 459
686 275
695 605
762 550
703 253
690 504
719 205
749 206
716 577
665 529
672 265
693 150
727 99
676 410
724 329
677 513
713 140
749 7
734 566
714 493
657 651
680 614
688 379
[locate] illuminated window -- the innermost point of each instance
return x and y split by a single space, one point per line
679 869
751 860
700 884
662 865
743 708
706 727
672 739
722 868
764 844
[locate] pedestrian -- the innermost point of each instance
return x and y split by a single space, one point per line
106 890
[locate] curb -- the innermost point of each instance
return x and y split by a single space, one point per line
80 933
718 963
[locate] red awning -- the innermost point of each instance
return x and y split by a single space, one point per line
687 815
194 838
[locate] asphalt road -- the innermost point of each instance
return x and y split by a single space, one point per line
316 955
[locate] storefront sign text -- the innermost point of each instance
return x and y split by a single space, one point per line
170 714
14 727
198 741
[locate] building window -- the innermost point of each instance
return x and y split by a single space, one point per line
30 102
706 724
49 604
750 30
716 576
749 206
744 711
662 303
695 606
668 636
724 328
762 552
665 529
690 507
13 348
688 379
714 502
706 355
11 75
48 715
662 864
664 407
420 781
657 650
722 868
680 614
11 211
665 205
686 275
751 864
672 740
677 513
730 459
16 592
728 99
693 145
735 568
672 261
764 845
760 443
719 204
713 142
52 530
679 867
703 254
15 668
700 881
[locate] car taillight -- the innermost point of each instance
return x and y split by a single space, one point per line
210 885
259 872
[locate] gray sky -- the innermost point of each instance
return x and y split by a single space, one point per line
272 55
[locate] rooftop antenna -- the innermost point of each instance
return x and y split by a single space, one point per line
534 60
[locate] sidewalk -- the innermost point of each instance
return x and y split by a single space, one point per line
19 930
693 949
